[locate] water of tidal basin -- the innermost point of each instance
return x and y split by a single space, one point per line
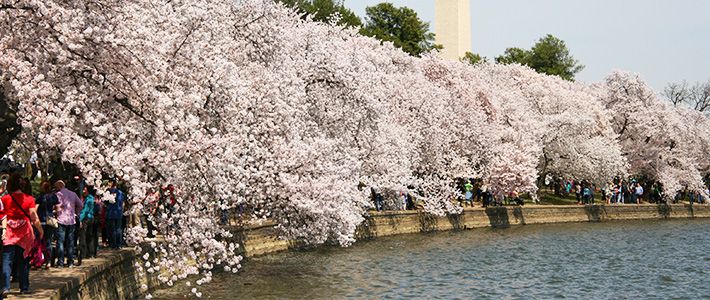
632 260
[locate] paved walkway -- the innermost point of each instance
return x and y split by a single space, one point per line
51 284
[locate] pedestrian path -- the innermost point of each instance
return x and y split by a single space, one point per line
53 283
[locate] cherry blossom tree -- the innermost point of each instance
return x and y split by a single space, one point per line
538 125
233 103
660 141
243 103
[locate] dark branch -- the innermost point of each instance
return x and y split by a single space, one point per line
124 102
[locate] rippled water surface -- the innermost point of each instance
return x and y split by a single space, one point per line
632 260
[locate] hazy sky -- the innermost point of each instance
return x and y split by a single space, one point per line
663 40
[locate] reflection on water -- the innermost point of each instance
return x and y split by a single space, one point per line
640 259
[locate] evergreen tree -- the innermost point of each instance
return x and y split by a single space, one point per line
474 58
324 10
401 26
548 56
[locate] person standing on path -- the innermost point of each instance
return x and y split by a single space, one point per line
34 165
20 215
69 207
638 192
468 187
487 197
88 234
114 217
626 191
587 195
47 204
617 195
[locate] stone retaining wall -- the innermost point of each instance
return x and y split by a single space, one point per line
115 278
391 223
111 275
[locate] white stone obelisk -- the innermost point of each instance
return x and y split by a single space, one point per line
453 27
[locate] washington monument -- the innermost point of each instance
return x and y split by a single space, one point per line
453 27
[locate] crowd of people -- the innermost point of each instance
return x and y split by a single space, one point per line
473 191
57 220
476 190
391 200
626 191
616 191
67 220
56 228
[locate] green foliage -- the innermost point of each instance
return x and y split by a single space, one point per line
323 11
385 22
513 55
548 56
474 58
401 26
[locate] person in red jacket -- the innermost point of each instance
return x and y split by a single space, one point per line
20 216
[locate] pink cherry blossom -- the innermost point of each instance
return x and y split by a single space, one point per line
243 103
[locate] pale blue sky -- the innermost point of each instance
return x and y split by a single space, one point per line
663 40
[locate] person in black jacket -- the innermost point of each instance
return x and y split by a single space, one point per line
47 203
